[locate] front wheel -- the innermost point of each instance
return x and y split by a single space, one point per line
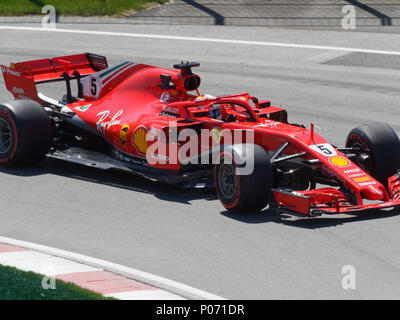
378 150
249 191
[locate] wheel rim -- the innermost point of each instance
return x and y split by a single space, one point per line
364 158
227 180
6 137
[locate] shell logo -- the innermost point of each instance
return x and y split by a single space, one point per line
339 161
140 139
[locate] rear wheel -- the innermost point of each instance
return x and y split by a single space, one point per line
25 132
246 192
379 149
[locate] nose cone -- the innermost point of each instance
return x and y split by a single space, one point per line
373 192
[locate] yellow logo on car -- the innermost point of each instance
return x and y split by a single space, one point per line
140 139
362 179
339 161
123 134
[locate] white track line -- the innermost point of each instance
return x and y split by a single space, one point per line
148 278
197 39
38 262
145 295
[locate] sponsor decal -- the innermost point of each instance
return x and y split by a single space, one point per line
325 149
159 157
165 97
83 108
366 183
129 159
216 134
339 161
168 109
9 71
352 170
355 175
139 139
123 134
362 179
333 174
103 125
18 90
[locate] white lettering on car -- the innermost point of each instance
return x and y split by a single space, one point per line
10 72
102 125
18 90
325 149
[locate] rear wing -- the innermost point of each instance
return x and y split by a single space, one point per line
21 78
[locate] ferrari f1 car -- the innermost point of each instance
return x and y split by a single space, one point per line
114 116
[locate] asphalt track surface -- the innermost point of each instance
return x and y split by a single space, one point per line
186 235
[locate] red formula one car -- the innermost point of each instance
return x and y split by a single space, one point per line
153 122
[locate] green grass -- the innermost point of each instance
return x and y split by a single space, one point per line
74 7
20 285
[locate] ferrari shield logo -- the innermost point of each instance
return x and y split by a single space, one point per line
123 134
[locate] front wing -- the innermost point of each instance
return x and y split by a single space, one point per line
331 200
